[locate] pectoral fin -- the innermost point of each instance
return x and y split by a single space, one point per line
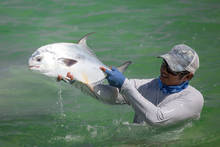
67 61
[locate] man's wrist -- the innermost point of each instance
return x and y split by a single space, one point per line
124 85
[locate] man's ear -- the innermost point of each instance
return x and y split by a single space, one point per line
189 76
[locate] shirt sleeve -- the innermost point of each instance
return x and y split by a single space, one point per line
174 111
110 95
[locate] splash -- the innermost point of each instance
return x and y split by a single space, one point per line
60 101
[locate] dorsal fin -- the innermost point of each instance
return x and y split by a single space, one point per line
82 41
124 66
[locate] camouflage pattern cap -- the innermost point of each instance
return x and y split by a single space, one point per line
182 58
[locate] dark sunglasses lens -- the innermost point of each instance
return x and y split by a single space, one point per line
168 69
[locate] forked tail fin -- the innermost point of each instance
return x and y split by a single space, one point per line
121 68
124 66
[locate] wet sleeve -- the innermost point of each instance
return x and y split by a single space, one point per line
110 95
174 111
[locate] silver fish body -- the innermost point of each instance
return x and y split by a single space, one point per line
59 58
77 58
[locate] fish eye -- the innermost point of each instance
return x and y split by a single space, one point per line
39 59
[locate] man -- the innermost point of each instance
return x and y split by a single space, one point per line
165 100
161 101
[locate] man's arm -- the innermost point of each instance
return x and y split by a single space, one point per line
174 111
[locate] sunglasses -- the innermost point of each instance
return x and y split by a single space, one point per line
164 64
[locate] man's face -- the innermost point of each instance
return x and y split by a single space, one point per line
169 78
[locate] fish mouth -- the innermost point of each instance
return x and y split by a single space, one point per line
33 66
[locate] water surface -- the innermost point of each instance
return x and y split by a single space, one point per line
32 111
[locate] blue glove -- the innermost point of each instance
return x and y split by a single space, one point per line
114 77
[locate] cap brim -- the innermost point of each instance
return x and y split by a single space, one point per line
172 62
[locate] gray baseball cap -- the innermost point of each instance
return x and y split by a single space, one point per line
182 58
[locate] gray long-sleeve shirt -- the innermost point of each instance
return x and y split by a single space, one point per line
151 105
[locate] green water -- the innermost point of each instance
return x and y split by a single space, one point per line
33 113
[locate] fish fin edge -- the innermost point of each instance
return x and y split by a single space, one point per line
67 61
124 66
83 40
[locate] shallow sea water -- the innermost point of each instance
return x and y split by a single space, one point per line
37 111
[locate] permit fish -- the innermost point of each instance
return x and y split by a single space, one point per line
58 59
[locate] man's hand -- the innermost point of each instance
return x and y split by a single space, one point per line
68 79
70 76
114 77
59 78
